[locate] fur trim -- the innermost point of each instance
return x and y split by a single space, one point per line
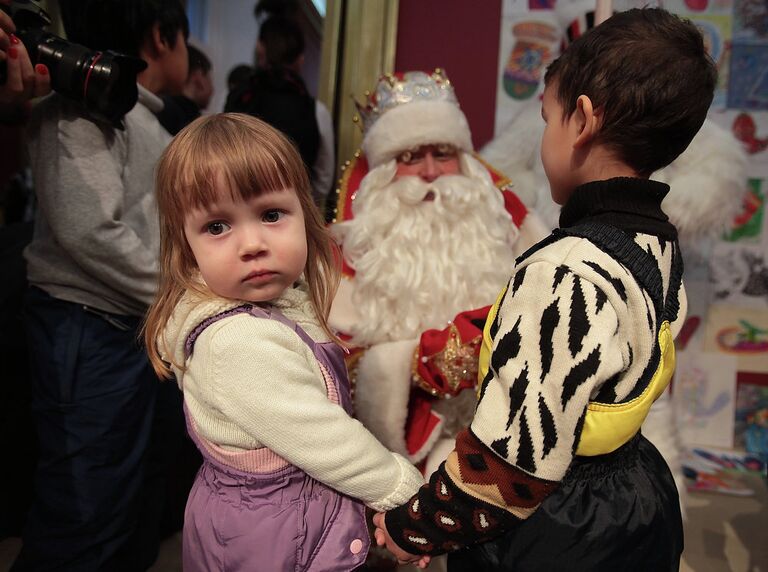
434 437
707 183
382 391
515 152
413 124
532 231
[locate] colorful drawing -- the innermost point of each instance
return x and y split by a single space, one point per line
751 427
704 396
721 472
697 5
688 8
741 332
745 130
541 4
748 85
748 224
740 275
532 51
716 31
750 20
745 338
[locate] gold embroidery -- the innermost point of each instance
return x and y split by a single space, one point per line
457 362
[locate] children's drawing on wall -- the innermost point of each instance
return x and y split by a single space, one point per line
750 21
530 37
748 85
745 130
748 224
704 393
740 332
739 275
533 49
711 470
541 4
751 424
716 31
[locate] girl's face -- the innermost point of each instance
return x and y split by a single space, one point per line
249 250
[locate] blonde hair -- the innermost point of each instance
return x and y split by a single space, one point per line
254 158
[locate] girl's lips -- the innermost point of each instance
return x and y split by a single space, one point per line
259 276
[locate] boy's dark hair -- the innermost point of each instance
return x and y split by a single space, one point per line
122 25
283 41
197 60
648 71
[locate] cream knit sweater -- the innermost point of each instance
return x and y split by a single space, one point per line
254 383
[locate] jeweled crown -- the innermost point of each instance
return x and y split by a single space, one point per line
393 90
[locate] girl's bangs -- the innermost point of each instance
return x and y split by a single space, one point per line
252 157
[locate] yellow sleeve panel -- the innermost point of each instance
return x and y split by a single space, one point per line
607 426
484 362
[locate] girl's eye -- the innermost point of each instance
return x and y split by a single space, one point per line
272 215
217 228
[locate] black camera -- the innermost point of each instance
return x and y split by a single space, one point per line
103 82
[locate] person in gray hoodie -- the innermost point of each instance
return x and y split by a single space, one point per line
92 267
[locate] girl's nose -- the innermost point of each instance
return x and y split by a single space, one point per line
252 242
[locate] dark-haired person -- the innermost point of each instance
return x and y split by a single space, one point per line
238 76
92 267
553 473
181 110
276 93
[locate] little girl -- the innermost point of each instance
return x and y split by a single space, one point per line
247 278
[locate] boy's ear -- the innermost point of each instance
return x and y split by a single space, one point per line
156 45
588 121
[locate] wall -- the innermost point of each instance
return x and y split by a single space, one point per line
461 36
229 39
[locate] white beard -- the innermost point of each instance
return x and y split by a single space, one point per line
419 263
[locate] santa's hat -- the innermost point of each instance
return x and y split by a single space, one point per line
410 109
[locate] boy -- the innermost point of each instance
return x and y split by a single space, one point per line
553 473
99 411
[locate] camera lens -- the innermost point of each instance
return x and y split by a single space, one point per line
105 82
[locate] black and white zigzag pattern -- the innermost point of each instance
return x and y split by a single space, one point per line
574 326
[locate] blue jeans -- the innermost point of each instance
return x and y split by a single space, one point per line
98 496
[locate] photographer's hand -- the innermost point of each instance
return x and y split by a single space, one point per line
23 82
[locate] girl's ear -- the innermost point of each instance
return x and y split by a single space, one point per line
588 121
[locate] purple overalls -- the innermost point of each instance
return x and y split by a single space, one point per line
254 511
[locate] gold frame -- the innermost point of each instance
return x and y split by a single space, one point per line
353 59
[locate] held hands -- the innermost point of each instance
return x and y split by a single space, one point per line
384 539
23 82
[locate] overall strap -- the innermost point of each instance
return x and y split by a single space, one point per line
189 343
621 247
672 303
257 311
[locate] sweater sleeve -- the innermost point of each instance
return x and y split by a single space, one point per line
555 342
271 391
78 172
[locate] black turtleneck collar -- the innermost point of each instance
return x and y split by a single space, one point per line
633 205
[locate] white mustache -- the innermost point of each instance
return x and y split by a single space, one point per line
413 191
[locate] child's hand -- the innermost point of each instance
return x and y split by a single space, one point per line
383 538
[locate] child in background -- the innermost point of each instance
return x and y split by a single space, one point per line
247 278
553 473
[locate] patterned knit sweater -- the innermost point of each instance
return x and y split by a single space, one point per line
574 326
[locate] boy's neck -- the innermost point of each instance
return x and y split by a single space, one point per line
599 164
151 80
